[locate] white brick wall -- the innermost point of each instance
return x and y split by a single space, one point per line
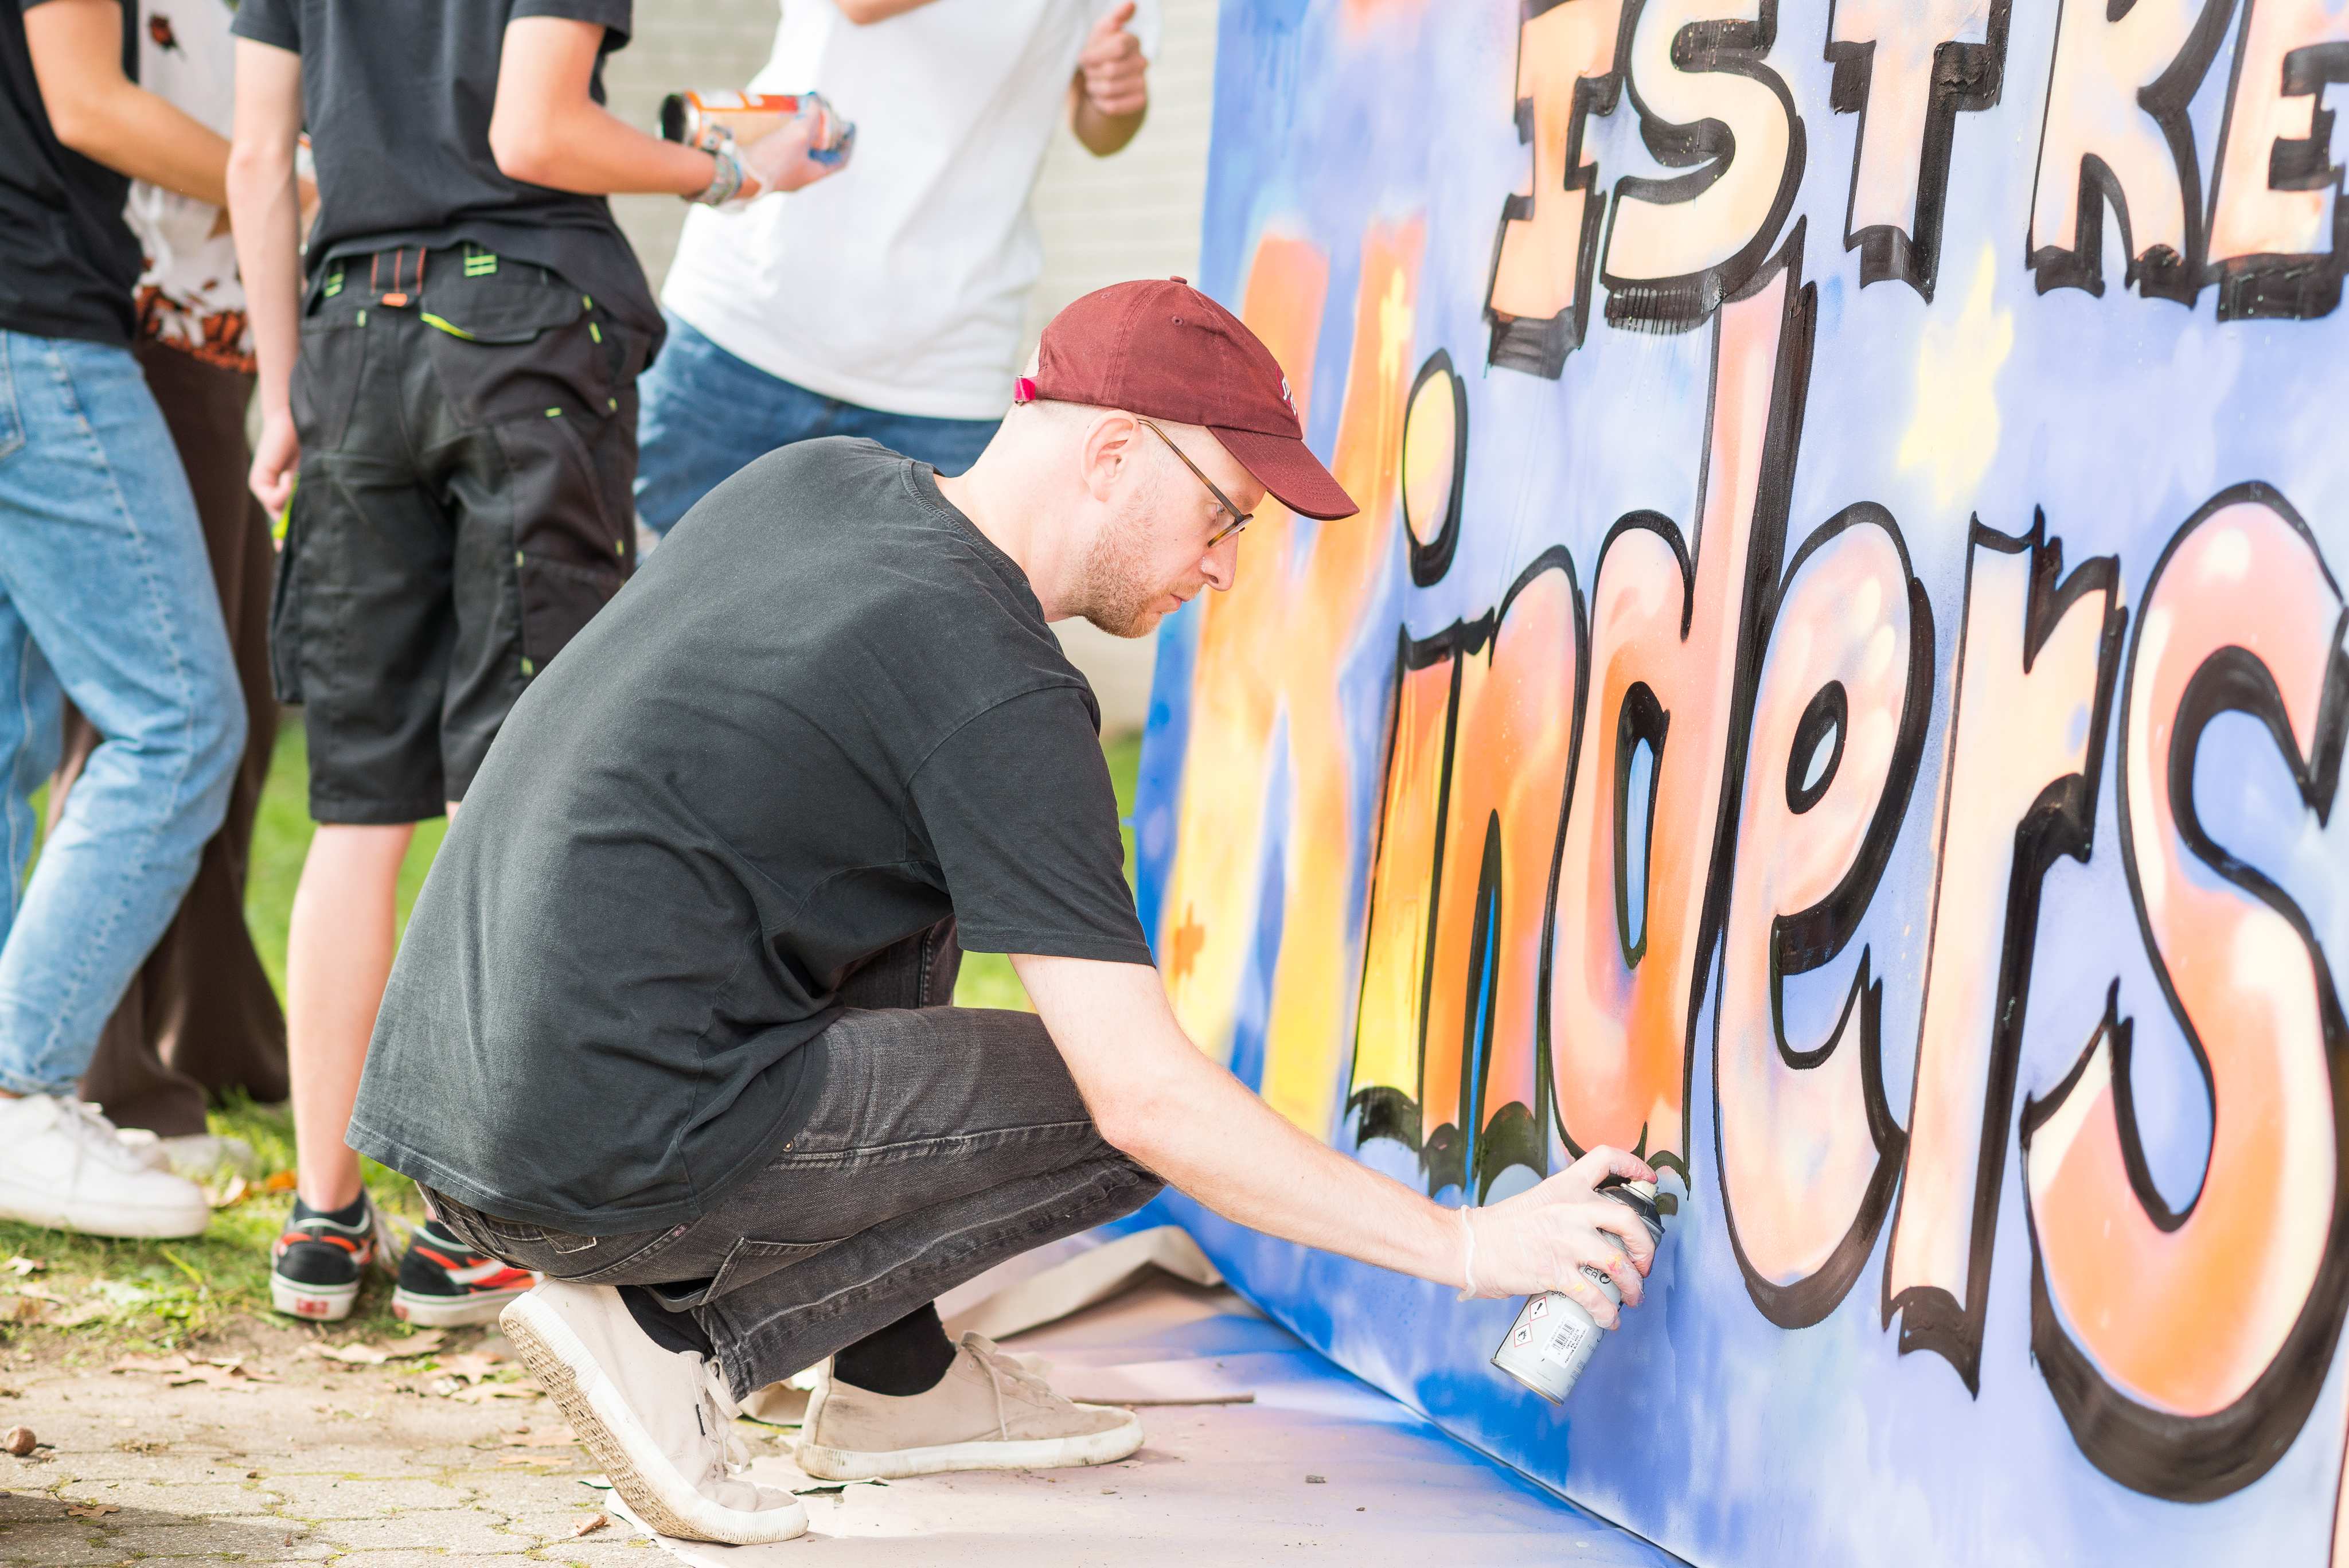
1103 220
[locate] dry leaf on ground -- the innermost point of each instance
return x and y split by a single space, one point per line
21 1265
544 1437
180 1372
237 1190
91 1510
473 1365
483 1393
150 1363
592 1524
375 1355
278 1181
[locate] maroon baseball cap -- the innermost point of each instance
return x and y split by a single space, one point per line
1164 350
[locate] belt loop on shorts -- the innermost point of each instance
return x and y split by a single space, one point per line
399 296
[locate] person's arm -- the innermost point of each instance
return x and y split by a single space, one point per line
76 49
1109 95
865 13
546 129
1154 1097
265 215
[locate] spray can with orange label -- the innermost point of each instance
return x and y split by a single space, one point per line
698 119
1554 1339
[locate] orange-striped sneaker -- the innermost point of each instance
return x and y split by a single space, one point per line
443 1283
315 1267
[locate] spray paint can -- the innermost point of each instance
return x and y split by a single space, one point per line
698 119
1554 1339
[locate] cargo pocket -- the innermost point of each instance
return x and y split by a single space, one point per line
570 555
503 351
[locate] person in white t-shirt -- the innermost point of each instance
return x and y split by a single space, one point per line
887 301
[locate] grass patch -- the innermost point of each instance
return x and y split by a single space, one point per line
168 1295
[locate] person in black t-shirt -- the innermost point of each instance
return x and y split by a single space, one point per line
462 411
672 1024
106 599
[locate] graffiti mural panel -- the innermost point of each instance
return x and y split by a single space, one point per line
1839 684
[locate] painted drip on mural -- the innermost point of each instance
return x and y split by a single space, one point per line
1838 685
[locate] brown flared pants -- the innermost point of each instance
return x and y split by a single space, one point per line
201 1017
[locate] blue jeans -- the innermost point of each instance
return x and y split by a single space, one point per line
106 596
707 413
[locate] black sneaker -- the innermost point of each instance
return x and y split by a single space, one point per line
315 1267
444 1284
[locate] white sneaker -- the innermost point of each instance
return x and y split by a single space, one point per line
657 1420
65 1165
991 1411
199 1157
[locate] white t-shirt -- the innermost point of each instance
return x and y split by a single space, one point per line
189 295
901 283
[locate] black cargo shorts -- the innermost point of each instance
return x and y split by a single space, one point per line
468 454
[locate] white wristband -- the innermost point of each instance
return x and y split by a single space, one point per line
1468 1262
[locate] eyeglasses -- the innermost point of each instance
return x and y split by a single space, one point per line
1239 519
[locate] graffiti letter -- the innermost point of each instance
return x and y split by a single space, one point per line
1451 977
1906 71
2037 653
1539 299
1268 651
2279 227
1667 629
2117 133
1680 246
1808 1148
2186 1347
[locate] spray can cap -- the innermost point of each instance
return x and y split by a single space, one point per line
1646 1189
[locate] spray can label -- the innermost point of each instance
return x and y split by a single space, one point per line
1552 1338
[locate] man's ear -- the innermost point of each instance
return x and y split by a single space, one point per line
1110 446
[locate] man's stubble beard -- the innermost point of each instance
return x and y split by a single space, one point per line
1117 593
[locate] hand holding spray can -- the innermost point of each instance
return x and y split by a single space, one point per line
698 119
1554 1339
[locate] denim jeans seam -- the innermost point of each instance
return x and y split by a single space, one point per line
159 608
25 728
11 412
915 1148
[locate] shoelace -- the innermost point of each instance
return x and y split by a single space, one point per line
719 1422
89 1127
1000 1367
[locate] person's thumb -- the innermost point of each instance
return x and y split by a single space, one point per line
1114 21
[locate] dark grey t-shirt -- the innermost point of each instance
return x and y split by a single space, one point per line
823 716
68 261
397 98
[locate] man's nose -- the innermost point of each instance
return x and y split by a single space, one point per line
1221 566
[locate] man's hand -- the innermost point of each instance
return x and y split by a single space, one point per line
1539 1240
1111 68
276 457
1111 90
779 160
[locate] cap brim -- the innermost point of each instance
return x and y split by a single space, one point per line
1287 468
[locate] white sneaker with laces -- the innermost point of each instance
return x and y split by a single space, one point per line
63 1165
659 1421
991 1412
199 1157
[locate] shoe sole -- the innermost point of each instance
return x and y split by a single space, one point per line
1102 1448
450 1312
315 1304
64 1214
639 1472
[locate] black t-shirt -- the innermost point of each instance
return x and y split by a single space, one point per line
397 98
68 263
825 715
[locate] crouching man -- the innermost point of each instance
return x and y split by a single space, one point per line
671 1024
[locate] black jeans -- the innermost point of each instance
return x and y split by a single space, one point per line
944 1140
